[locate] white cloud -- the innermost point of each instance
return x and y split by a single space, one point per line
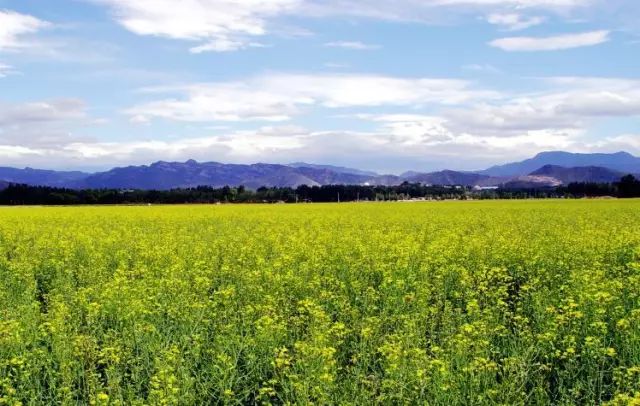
17 152
14 27
414 129
572 103
218 25
514 21
239 146
5 70
229 25
39 123
547 4
39 112
462 119
602 103
396 143
569 103
520 125
488 68
625 142
558 42
509 119
595 97
354 45
434 11
24 34
400 143
225 45
139 119
593 83
278 97
424 131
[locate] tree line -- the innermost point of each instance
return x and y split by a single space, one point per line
627 187
19 194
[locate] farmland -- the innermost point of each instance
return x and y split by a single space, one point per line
527 302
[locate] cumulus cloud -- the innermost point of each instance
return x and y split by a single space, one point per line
413 129
278 97
400 143
596 97
573 104
510 118
559 42
520 125
462 118
41 112
238 146
623 142
445 134
39 123
15 29
397 143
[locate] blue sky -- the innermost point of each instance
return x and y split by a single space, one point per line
381 85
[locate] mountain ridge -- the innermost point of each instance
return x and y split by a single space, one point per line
340 169
596 174
163 175
619 161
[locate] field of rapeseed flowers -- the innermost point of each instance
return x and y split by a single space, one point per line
451 303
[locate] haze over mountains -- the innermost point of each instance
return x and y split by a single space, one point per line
565 175
619 161
545 169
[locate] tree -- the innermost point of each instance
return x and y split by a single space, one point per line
628 186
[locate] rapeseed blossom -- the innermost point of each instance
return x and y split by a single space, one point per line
435 303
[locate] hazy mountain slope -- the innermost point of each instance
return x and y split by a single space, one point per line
384 180
531 182
579 174
548 167
325 176
42 177
448 177
168 175
332 168
619 161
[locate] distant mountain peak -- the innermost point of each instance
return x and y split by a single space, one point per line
624 154
620 161
559 152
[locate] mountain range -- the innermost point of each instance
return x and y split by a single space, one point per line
545 169
619 161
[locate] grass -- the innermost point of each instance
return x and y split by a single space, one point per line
526 302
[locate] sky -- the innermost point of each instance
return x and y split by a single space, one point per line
384 85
